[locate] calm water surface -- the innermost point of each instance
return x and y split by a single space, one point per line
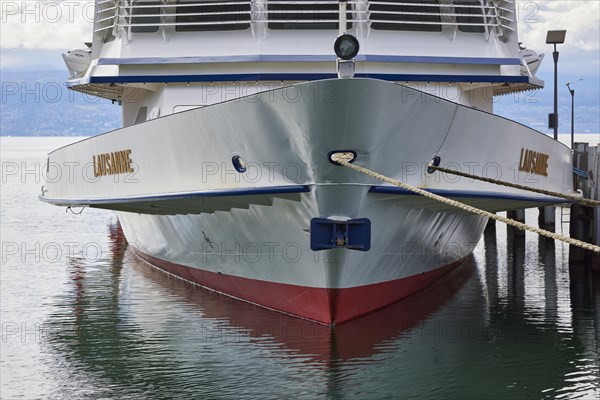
82 317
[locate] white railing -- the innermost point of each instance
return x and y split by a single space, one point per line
145 15
485 15
106 17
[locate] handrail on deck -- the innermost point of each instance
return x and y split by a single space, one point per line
128 14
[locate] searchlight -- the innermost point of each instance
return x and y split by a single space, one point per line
346 46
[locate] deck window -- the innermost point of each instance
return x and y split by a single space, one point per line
145 15
471 15
305 14
398 15
216 15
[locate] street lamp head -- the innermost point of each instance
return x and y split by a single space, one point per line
572 91
556 37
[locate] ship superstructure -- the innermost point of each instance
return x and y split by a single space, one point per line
170 56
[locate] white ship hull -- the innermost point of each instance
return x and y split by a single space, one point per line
187 210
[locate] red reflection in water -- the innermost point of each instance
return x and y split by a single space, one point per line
359 338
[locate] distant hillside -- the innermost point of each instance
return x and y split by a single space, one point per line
38 103
532 109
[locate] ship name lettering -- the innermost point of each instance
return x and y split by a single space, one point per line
534 162
117 162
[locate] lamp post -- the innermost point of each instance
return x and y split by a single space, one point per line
555 37
572 91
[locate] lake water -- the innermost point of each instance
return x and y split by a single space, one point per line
82 317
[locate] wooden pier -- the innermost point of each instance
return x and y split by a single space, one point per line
584 220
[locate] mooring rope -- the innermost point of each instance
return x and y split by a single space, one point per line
345 158
577 199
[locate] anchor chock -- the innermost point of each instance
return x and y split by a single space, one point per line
353 234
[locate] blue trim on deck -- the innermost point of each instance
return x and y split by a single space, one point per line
468 194
179 196
308 58
298 77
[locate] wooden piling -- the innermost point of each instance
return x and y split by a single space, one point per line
596 234
490 226
547 218
585 221
517 215
596 220
579 228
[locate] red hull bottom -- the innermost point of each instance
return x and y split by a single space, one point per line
328 306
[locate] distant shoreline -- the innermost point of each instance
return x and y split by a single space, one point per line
592 139
561 136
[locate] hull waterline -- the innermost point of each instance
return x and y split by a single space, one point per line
327 306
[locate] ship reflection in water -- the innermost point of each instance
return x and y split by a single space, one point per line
507 322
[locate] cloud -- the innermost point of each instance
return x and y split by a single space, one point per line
59 24
45 24
580 54
31 60
580 18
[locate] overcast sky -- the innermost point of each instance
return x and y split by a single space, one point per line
33 33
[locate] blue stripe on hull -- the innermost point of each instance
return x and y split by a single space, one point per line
188 195
468 194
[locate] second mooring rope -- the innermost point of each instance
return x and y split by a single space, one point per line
581 200
345 158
